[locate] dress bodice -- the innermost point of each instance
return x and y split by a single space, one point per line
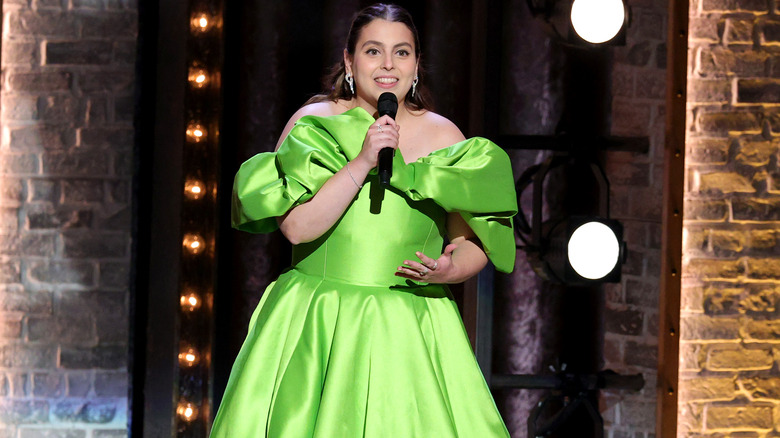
380 230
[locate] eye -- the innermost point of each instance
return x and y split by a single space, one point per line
403 52
372 51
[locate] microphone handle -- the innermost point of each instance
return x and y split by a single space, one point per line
385 165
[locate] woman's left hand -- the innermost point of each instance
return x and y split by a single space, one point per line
429 270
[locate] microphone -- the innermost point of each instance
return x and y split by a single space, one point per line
387 105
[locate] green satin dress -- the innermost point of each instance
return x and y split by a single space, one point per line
339 346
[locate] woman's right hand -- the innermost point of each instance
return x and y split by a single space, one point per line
381 134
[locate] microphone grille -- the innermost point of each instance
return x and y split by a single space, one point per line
387 104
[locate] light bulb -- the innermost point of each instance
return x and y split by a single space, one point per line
188 357
193 189
190 302
187 411
593 250
597 21
201 22
193 243
196 133
198 77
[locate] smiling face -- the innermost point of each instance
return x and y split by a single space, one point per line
384 60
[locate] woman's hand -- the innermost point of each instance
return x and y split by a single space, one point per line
381 134
429 270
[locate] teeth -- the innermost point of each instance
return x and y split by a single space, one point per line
386 80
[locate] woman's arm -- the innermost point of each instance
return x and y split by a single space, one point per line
462 258
468 258
313 218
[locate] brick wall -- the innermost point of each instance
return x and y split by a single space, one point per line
636 179
65 216
729 380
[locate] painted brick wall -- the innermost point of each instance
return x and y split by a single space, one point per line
65 216
730 339
631 318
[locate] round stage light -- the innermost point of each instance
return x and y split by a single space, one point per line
597 21
593 250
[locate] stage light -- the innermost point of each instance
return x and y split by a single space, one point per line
581 250
598 21
584 23
594 250
573 250
202 97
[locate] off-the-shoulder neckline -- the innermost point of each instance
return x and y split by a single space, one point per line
362 113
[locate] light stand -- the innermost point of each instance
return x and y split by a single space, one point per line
570 408
551 248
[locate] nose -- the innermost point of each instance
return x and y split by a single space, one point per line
388 61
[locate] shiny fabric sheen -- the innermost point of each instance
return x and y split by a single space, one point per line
339 346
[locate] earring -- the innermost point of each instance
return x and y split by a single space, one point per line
351 82
414 85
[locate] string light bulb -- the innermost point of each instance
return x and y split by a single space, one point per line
196 133
190 302
201 22
194 189
194 243
189 357
187 411
198 77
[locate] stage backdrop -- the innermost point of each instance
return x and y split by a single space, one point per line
275 57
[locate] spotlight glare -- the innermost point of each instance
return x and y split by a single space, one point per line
593 250
597 21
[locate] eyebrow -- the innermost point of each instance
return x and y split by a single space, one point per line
377 43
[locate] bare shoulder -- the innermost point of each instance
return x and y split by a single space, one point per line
322 109
441 132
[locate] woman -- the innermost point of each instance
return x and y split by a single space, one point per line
361 337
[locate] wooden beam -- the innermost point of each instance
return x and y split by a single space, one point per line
671 246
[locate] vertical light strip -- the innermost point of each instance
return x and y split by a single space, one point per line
199 217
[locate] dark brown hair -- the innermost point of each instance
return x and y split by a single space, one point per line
336 86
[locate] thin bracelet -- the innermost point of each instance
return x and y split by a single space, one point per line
360 186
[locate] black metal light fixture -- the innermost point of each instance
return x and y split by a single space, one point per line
574 250
584 22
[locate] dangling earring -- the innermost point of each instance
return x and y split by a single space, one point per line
351 82
414 85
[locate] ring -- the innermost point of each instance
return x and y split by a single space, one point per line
435 265
378 128
423 273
